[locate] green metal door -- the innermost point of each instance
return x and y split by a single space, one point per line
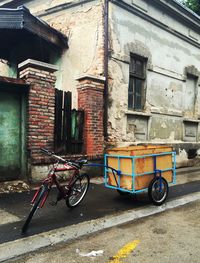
10 135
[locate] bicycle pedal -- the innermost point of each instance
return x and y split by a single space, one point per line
53 203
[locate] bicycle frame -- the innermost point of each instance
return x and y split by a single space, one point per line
52 180
73 191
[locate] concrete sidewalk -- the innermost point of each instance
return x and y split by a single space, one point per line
102 208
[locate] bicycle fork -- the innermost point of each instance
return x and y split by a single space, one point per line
43 199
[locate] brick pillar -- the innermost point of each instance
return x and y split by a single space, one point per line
90 99
41 106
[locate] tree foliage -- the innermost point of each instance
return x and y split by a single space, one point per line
194 5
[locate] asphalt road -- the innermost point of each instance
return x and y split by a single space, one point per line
99 202
171 236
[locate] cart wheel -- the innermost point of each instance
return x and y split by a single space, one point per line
122 193
157 194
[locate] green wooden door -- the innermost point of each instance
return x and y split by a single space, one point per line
10 135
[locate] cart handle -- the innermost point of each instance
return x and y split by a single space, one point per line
118 172
114 171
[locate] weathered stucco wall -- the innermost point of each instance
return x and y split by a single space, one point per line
40 6
85 54
170 44
4 69
172 108
83 25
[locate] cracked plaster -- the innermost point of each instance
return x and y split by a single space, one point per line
84 28
167 68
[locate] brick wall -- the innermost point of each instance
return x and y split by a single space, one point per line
90 99
40 113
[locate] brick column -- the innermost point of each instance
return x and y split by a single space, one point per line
41 106
90 99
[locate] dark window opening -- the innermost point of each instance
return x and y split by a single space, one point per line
192 153
68 125
137 76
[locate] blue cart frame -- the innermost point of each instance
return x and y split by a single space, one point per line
157 172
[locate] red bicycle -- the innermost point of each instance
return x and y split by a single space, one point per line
73 192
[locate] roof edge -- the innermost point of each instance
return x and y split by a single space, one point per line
172 7
182 11
27 21
9 80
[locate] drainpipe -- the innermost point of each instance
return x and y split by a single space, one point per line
106 18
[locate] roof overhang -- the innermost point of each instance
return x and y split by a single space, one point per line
13 85
19 25
14 81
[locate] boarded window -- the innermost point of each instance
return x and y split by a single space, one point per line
190 95
137 76
68 125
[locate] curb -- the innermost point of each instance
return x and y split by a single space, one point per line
22 246
188 169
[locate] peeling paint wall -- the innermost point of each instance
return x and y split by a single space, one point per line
172 105
4 68
7 69
40 6
83 25
146 28
85 54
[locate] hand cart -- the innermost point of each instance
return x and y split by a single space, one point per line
144 168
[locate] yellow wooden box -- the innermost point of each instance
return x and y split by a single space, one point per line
136 166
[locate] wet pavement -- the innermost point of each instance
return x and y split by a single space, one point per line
99 202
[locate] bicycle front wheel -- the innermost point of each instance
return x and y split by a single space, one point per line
44 190
158 190
78 191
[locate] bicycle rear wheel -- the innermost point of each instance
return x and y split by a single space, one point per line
78 191
44 190
158 190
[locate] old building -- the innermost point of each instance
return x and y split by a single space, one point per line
132 66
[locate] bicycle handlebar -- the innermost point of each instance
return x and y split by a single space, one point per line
46 151
53 154
72 163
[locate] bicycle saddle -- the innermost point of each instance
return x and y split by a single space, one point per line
81 162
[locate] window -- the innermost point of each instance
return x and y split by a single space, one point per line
136 87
